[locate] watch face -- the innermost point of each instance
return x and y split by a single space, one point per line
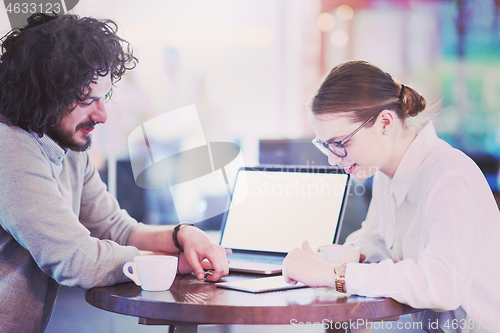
340 269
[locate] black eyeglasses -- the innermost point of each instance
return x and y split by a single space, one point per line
337 147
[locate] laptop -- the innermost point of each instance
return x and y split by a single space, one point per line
274 209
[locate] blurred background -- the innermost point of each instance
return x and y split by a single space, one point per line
251 67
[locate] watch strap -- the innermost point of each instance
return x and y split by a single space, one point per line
176 231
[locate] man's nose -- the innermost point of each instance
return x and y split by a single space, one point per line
99 113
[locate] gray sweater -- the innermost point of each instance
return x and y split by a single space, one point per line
59 225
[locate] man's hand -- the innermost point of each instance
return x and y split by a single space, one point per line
200 252
302 265
198 247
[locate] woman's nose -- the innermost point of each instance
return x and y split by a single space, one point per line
334 159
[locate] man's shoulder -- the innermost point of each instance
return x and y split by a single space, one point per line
13 136
19 152
15 141
11 129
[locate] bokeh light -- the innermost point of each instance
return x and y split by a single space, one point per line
344 12
325 22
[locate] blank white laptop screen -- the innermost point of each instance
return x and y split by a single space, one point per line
275 211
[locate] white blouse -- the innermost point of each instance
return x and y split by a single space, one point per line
432 233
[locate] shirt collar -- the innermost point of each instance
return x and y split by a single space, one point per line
55 152
411 161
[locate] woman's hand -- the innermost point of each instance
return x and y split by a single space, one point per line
302 265
201 253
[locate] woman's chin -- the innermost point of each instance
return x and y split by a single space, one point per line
358 178
362 173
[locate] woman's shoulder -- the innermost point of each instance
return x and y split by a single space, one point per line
437 153
443 155
445 163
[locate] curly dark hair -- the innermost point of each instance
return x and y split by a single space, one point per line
48 66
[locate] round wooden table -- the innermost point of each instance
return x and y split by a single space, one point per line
190 303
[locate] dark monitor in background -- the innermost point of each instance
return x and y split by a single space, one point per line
303 152
290 152
490 166
129 195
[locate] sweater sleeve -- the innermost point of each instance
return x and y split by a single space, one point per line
100 211
35 212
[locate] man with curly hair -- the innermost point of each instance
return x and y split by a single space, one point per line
59 225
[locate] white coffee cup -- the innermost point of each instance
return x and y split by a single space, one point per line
335 253
152 273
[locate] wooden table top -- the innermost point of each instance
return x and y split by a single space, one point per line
193 302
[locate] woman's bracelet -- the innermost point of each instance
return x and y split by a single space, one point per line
176 231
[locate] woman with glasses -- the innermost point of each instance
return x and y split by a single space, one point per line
432 233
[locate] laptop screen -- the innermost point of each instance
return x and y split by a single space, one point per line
276 209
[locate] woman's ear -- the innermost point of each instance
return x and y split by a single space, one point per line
386 119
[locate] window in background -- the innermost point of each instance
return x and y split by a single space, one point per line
449 51
251 66
248 66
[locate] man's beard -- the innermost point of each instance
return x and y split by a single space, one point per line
65 138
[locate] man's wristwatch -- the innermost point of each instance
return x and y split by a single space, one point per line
340 277
174 234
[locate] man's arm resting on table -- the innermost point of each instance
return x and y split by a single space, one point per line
196 244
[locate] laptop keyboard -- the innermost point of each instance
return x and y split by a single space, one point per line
255 258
